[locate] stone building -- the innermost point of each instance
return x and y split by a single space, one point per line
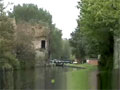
41 43
39 34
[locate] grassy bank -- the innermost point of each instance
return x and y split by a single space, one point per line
79 79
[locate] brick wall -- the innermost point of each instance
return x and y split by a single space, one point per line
93 62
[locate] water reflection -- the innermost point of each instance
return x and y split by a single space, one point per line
104 80
40 78
108 80
51 78
6 80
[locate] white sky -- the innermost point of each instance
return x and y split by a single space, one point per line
64 12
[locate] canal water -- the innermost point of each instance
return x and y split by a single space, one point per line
49 78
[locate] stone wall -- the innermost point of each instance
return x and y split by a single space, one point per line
37 33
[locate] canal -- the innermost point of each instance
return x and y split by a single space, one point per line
50 78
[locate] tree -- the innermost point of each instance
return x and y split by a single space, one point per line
99 21
66 49
31 13
78 44
56 44
1 8
7 55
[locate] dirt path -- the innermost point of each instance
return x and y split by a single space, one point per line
93 80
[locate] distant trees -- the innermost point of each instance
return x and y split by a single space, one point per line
98 22
31 13
56 44
59 47
78 43
66 49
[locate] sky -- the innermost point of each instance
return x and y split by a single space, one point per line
64 12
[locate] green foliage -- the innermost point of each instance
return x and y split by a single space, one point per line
59 48
78 43
66 49
30 13
7 55
2 8
98 23
56 44
24 49
10 60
